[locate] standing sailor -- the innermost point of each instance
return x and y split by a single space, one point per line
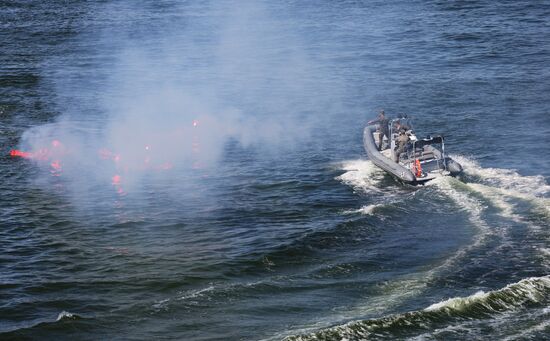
402 141
383 129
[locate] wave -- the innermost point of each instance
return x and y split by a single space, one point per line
192 297
196 293
65 315
26 332
481 305
365 210
534 289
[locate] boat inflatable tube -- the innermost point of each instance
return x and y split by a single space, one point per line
383 162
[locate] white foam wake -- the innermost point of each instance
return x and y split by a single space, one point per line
365 210
507 182
366 176
197 293
534 289
501 186
506 179
361 175
399 290
65 315
468 203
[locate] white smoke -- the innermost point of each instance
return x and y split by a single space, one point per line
163 98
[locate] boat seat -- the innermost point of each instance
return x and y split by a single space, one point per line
419 156
424 156
427 156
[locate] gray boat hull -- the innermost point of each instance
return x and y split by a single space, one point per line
395 169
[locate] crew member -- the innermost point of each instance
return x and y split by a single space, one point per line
383 129
402 141
401 127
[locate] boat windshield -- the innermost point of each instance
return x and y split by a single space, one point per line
436 141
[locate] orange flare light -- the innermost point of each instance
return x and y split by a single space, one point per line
19 153
56 165
116 180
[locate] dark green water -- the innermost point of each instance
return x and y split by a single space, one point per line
198 173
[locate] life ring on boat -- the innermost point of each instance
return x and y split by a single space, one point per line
417 168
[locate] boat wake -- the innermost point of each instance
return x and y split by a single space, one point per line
481 192
366 210
362 175
521 200
366 179
506 179
508 183
528 295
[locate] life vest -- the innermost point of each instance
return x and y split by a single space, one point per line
417 168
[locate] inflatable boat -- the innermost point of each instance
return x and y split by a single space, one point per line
409 159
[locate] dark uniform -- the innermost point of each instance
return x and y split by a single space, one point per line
384 130
401 127
402 141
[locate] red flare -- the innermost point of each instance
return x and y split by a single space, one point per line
19 153
116 183
116 180
56 165
195 123
56 143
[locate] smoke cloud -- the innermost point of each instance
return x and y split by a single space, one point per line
152 92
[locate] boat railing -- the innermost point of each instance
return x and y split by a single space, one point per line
425 150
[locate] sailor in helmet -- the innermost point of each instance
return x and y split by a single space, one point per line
402 140
384 131
400 126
